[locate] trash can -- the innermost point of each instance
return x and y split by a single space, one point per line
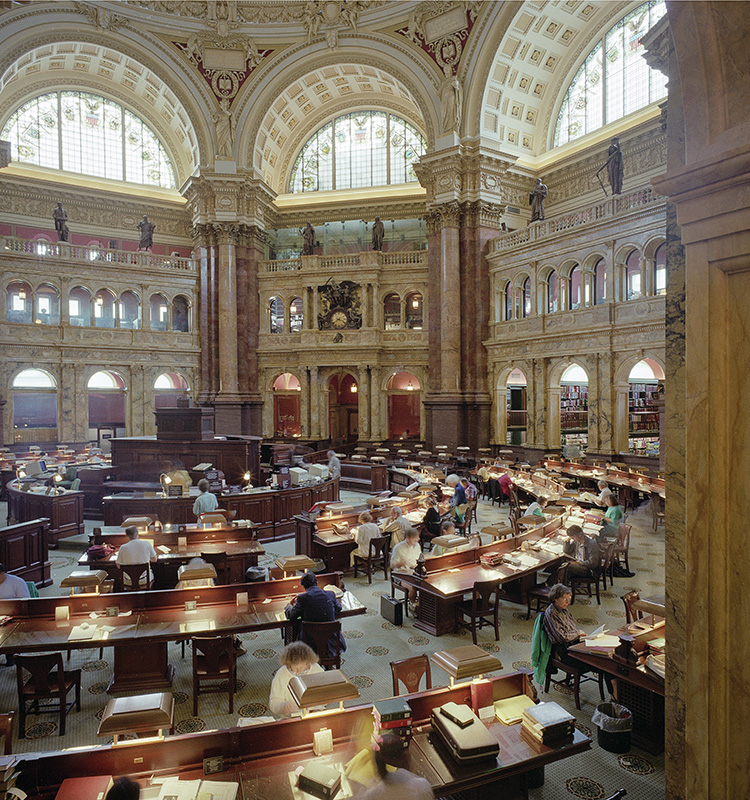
614 723
256 574
320 566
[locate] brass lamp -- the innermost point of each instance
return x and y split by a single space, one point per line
469 661
247 477
57 478
164 480
320 688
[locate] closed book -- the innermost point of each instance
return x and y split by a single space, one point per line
401 730
93 787
547 715
320 780
393 723
461 715
481 694
391 709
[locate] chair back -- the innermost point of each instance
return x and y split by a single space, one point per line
623 536
409 671
482 596
213 655
325 640
607 557
6 729
631 613
134 572
219 562
228 515
379 547
47 674
212 518
75 484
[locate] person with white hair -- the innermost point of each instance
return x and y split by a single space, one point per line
604 493
334 464
397 525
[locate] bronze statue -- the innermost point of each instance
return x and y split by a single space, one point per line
378 232
60 215
536 200
308 240
146 230
615 167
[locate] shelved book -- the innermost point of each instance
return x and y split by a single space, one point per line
393 716
548 723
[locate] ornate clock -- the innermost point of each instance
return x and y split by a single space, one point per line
340 306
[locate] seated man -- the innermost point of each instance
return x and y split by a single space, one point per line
179 475
11 586
459 502
584 554
135 551
470 490
396 525
604 493
205 502
316 605
537 507
404 559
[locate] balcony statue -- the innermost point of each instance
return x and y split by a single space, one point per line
536 200
378 232
146 230
308 240
615 167
60 215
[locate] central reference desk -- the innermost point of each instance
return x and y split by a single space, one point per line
260 758
147 621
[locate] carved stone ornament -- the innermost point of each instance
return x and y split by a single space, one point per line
325 17
340 305
103 19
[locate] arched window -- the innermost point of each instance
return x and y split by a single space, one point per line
575 293
168 388
34 406
106 405
614 79
515 405
18 302
660 269
47 305
508 301
526 294
276 315
296 317
404 398
104 309
392 311
129 310
159 311
180 314
414 311
362 148
600 282
553 292
89 134
287 416
633 275
79 307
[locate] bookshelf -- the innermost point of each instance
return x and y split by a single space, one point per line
643 415
574 404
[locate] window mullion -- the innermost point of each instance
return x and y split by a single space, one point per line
59 128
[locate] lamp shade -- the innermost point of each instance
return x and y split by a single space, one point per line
466 662
320 688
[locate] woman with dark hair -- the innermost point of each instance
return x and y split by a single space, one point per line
399 784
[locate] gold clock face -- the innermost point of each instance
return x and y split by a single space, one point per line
339 319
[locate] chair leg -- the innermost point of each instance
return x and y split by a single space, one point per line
577 689
63 710
598 599
547 679
601 685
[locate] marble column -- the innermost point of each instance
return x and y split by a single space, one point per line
365 402
205 255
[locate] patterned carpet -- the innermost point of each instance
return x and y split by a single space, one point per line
372 644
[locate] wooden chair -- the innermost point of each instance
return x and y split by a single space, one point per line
48 680
608 559
540 594
657 510
409 671
587 582
319 635
631 613
377 557
465 526
220 564
484 602
573 674
397 585
213 662
134 572
622 546
6 730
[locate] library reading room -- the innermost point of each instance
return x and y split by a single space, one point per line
356 434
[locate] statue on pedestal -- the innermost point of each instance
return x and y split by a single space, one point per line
146 231
224 130
308 240
60 215
536 200
378 232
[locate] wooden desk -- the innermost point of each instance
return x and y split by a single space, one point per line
140 639
23 551
64 510
259 757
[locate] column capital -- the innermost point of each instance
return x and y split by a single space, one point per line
240 198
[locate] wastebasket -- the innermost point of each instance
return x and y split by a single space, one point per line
614 723
256 574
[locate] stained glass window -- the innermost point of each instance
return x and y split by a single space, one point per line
88 134
362 148
615 79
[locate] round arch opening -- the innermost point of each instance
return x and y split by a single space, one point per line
287 411
169 388
34 406
515 387
107 399
574 411
343 408
404 403
645 386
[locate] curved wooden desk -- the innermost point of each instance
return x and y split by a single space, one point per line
64 510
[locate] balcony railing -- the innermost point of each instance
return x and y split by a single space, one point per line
94 255
363 260
611 207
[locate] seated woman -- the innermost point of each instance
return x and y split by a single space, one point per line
431 521
612 518
296 658
367 530
563 631
537 507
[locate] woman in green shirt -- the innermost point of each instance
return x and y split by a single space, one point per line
612 518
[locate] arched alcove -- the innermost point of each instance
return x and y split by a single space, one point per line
343 408
287 396
107 405
34 406
574 393
645 382
169 387
404 400
515 387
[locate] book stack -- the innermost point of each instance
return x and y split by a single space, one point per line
8 774
491 559
548 724
393 716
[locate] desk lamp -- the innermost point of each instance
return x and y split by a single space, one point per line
57 478
247 477
164 480
469 661
320 688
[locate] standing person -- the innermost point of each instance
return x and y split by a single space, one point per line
135 551
459 502
536 200
399 784
367 530
297 658
205 502
11 586
316 605
334 464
